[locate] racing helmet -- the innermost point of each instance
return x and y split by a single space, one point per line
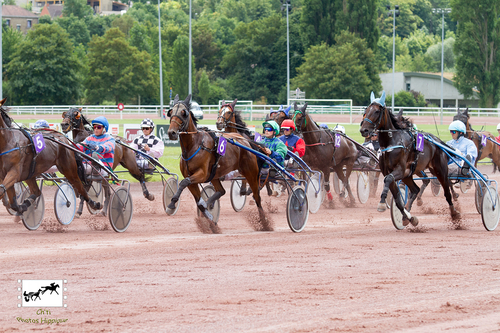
288 123
102 121
457 125
41 124
147 123
498 126
339 128
273 124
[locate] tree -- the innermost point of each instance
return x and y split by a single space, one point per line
10 39
407 98
333 72
318 21
77 8
360 17
477 48
204 87
44 70
76 28
117 70
180 65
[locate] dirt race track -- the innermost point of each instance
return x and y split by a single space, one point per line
350 270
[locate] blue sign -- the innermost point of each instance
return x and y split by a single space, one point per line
39 142
337 140
420 142
221 147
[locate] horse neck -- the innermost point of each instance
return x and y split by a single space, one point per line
311 133
387 128
233 126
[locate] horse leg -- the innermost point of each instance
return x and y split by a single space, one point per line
220 191
414 191
79 211
426 183
446 184
398 199
35 193
388 180
200 203
326 173
347 186
182 185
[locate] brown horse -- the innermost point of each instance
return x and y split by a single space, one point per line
321 153
75 121
400 160
200 163
20 162
490 150
282 114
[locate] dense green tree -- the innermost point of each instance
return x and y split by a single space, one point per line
11 38
77 8
76 28
45 19
205 49
44 70
124 23
407 99
180 65
418 42
140 38
406 23
477 48
334 72
118 71
360 17
318 21
204 87
144 14
434 52
98 25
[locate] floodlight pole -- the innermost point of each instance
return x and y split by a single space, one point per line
442 11
190 67
287 57
394 12
161 71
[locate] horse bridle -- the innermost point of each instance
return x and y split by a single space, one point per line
377 123
226 120
302 120
183 125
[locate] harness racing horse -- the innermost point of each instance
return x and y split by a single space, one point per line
281 115
321 153
20 162
77 123
200 162
490 150
400 160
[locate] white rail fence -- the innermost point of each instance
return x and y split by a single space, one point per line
251 112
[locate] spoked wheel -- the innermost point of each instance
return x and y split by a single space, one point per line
237 200
388 200
169 190
337 184
65 203
96 193
478 195
314 193
465 185
33 216
435 187
490 210
396 215
363 187
19 189
297 210
206 193
120 209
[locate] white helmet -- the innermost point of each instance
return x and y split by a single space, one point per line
498 126
339 128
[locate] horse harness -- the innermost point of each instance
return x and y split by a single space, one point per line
411 147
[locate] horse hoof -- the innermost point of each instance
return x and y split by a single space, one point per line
414 221
381 207
208 215
170 211
405 222
150 197
455 195
420 202
78 214
171 206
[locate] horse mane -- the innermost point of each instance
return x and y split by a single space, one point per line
242 128
400 122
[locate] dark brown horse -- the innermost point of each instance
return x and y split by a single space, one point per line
77 123
200 162
400 160
490 150
20 162
282 114
321 153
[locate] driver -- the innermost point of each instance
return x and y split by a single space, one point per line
463 146
148 143
100 145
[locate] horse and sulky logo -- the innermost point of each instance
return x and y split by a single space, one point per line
41 294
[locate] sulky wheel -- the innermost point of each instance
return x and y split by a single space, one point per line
465 185
207 192
396 215
337 183
169 190
19 189
65 204
363 187
33 216
314 193
490 209
297 210
237 200
481 188
120 209
95 193
435 187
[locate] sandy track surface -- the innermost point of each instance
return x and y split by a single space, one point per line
350 270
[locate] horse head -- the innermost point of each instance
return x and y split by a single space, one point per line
181 118
5 117
72 119
463 116
372 118
299 117
226 115
282 114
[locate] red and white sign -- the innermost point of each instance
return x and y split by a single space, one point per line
130 132
114 129
121 106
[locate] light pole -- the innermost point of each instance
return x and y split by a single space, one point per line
394 12
190 66
161 72
286 6
442 11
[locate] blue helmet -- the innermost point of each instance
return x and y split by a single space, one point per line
101 120
41 124
457 125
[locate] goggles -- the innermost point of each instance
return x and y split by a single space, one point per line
453 132
286 128
97 126
269 129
